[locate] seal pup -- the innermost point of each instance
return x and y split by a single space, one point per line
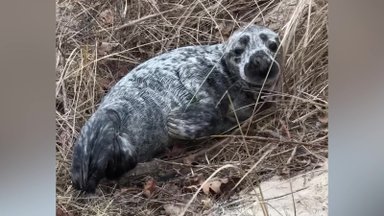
186 93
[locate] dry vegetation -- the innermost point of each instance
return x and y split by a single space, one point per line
98 42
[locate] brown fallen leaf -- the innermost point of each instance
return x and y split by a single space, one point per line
61 212
149 188
213 186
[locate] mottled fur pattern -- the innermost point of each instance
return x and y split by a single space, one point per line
182 94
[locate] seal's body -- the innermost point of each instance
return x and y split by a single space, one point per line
186 93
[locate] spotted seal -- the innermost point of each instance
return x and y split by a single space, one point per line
185 93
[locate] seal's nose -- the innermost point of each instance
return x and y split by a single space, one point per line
260 63
260 66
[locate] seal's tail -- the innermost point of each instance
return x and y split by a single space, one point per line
102 150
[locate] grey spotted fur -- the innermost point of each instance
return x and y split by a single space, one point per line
181 94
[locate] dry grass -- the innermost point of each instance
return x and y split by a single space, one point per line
98 42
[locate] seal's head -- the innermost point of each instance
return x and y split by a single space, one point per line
101 150
254 52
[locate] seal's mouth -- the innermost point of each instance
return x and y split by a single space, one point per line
261 67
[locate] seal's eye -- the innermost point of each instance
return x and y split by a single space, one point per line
263 37
244 40
238 51
272 46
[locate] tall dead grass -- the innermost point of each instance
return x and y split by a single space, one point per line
98 42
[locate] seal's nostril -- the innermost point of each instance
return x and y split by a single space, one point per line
255 61
272 46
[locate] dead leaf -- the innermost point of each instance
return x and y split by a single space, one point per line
213 186
149 187
107 17
61 212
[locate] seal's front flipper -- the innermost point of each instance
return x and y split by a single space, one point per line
197 120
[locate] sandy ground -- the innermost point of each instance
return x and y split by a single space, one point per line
310 195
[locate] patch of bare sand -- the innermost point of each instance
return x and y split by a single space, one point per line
310 195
